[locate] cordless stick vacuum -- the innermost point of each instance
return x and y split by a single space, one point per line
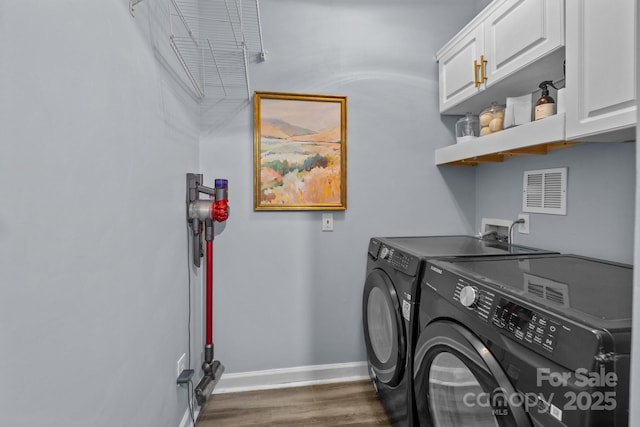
205 212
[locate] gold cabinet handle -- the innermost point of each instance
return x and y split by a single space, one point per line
475 73
483 74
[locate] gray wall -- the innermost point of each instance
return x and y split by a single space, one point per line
600 200
96 139
287 293
634 410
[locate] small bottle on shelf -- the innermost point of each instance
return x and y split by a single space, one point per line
546 105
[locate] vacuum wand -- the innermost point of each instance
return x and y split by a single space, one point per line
207 212
209 293
212 369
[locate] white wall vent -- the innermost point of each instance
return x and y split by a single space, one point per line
545 191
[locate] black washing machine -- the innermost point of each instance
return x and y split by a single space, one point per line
391 293
530 341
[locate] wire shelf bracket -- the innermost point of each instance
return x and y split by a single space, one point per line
213 41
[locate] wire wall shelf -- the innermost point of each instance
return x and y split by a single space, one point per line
214 41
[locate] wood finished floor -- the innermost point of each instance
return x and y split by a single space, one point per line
340 404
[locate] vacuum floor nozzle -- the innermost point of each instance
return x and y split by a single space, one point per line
208 383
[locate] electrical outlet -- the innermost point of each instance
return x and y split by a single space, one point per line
523 228
327 222
181 364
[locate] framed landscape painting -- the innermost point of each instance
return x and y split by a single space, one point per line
300 151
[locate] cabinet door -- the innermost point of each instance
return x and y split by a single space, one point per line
519 32
456 69
601 68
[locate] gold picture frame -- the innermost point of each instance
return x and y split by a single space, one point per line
300 151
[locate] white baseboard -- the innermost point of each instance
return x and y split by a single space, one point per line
291 377
186 419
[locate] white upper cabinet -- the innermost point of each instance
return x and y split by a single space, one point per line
459 68
520 32
510 47
601 70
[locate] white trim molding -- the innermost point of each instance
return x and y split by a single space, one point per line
186 418
292 377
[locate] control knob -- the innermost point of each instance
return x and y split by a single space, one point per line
385 253
468 296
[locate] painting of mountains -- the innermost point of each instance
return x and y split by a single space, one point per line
300 152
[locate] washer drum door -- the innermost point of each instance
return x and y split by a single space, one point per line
458 382
384 330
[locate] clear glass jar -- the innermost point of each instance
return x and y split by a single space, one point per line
467 128
491 119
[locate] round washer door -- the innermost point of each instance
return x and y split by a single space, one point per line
384 331
458 382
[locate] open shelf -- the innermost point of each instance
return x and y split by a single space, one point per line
534 138
213 41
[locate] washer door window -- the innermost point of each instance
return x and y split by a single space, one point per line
459 383
384 330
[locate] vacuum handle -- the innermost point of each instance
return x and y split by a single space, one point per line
222 189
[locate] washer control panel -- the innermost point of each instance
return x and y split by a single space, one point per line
396 258
526 325
477 300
